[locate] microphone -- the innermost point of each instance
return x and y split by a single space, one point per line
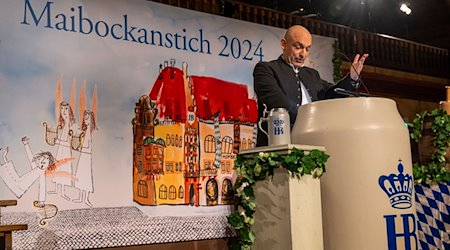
350 93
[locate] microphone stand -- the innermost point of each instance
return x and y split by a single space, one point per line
350 93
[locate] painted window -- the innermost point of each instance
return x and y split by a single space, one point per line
211 192
227 145
181 192
227 192
172 192
222 167
139 149
228 164
163 192
249 144
142 189
169 166
210 144
154 159
244 144
207 164
140 167
160 164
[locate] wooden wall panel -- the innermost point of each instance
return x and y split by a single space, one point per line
216 244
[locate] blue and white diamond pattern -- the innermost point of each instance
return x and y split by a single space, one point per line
433 215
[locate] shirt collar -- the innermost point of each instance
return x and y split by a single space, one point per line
296 70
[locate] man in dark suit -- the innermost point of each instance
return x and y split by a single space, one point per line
286 83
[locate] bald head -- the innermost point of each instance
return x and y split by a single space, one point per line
296 44
295 31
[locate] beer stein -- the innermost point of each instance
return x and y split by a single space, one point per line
278 126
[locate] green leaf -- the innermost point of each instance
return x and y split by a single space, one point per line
235 246
247 236
273 155
251 236
257 170
291 159
236 220
317 173
250 205
315 154
248 191
272 163
249 220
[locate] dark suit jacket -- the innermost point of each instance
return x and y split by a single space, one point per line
277 86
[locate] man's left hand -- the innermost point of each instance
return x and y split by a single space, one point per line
357 66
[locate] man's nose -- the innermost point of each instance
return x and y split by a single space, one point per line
303 52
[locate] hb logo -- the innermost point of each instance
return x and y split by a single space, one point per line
278 131
278 127
399 190
409 231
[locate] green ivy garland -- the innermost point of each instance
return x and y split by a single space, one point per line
258 168
436 170
337 62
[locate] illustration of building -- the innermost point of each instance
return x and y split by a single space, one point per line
187 133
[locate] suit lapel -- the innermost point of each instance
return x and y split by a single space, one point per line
288 80
309 83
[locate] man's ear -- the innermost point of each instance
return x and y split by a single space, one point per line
283 43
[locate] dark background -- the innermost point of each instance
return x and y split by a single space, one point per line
428 23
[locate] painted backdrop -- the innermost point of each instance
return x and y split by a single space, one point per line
109 104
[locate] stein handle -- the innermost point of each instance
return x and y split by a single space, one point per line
264 118
265 113
260 123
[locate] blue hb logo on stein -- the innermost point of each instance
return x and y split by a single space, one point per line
399 189
278 127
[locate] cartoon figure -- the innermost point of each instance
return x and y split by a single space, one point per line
66 120
85 184
40 163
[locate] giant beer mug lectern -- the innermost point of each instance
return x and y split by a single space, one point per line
367 190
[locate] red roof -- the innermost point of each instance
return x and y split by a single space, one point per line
211 95
168 92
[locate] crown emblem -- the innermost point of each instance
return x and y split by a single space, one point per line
398 188
278 123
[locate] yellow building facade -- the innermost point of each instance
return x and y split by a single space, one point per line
170 185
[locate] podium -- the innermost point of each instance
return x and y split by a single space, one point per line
288 212
367 191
